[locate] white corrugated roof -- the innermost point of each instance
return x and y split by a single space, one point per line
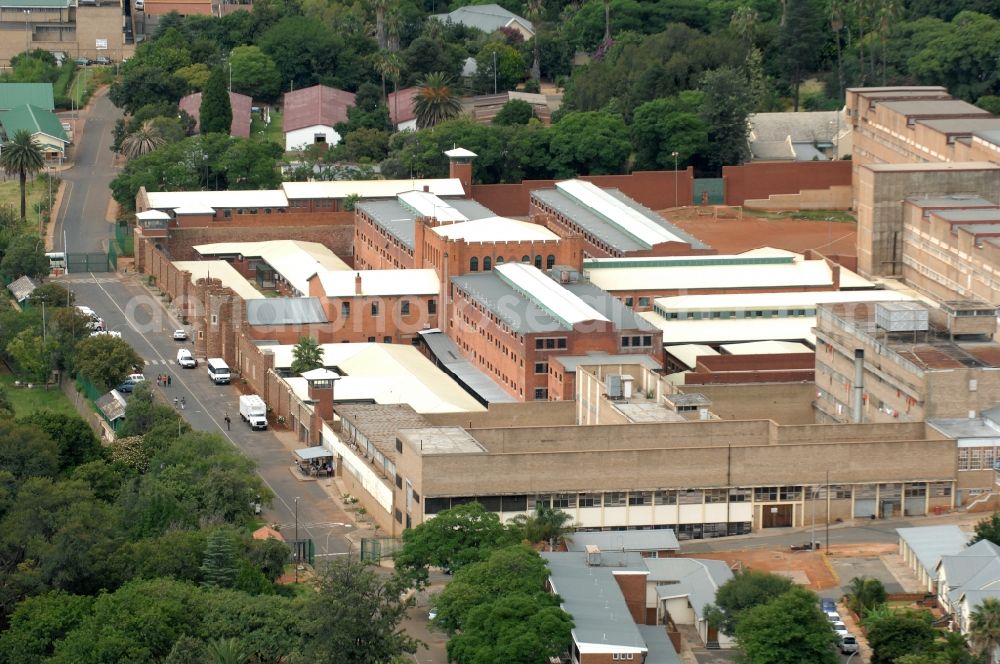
688 353
222 271
259 198
796 300
426 204
800 273
766 348
194 209
547 294
148 215
628 220
496 229
294 260
732 330
386 374
341 283
371 188
460 152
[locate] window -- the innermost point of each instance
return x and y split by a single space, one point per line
227 213
499 260
628 302
541 394
765 493
541 367
614 499
640 498
690 497
404 307
345 309
371 340
643 301
399 482
791 493
534 501
564 501
375 308
525 259
715 496
940 489
739 495
561 343
550 261
432 306
387 340
589 500
487 264
625 342
665 498
399 516
538 261
473 264
623 656
399 446
549 343
916 490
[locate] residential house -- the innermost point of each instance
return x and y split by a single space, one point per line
488 18
241 105
922 549
45 128
806 136
402 113
22 288
20 94
310 115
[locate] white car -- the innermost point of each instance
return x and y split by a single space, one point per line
833 616
180 335
840 628
186 359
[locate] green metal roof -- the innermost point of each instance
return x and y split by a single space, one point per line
19 94
35 120
32 4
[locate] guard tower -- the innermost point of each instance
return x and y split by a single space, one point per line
460 166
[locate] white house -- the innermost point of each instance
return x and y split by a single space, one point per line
310 115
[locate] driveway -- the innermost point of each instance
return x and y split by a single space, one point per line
127 307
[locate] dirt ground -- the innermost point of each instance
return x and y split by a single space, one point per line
730 236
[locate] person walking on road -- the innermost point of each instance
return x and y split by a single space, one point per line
228 422
168 380
175 402
182 403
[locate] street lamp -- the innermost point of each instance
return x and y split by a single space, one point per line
27 15
674 154
297 539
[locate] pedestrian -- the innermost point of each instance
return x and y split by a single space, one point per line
228 422
182 403
175 402
168 380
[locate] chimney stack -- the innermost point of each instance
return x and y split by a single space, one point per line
357 283
859 386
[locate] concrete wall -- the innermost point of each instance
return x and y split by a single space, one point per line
785 403
758 180
832 198
533 413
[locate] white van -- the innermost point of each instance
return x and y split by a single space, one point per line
186 359
218 370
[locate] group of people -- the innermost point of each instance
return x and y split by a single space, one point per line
163 380
179 402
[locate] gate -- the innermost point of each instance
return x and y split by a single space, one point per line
373 549
89 262
715 189
303 551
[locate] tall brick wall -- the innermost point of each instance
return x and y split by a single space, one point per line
761 179
654 189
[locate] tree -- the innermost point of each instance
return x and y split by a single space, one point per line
21 156
143 413
726 104
789 629
72 435
53 295
865 594
270 556
26 452
306 356
515 629
25 255
436 101
896 634
106 360
544 525
226 651
6 407
355 617
216 111
988 529
743 592
499 67
425 55
142 141
801 41
196 76
984 628
31 354
452 539
514 112
38 624
589 143
254 73
146 84
664 126
219 567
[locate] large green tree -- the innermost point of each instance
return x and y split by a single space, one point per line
590 143
499 67
514 112
894 634
72 435
219 567
988 529
38 624
437 100
865 593
216 111
355 617
743 592
32 356
726 104
801 42
254 73
790 629
515 629
21 156
664 126
25 255
984 628
106 360
306 356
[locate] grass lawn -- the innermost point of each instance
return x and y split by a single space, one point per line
27 401
10 194
271 132
811 215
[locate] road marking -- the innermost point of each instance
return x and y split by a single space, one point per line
194 396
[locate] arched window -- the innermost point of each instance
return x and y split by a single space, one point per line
499 260
525 259
487 264
473 264
550 261
538 261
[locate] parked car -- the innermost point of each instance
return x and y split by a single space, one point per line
82 61
103 60
129 383
840 628
827 605
180 335
186 359
833 616
848 644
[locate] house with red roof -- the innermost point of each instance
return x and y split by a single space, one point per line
310 115
401 111
241 105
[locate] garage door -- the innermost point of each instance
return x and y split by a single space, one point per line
864 508
916 506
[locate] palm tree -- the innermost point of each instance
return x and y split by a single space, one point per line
380 7
536 12
984 627
21 156
547 524
865 594
436 100
142 141
388 65
306 356
226 651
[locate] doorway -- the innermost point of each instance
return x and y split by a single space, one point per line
776 516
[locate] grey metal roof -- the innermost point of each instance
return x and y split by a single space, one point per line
112 405
962 125
22 288
690 399
594 599
956 201
975 214
804 127
448 356
572 362
625 540
990 135
661 650
523 316
979 229
964 427
931 107
929 543
808 152
398 220
285 311
601 228
961 568
487 18
696 579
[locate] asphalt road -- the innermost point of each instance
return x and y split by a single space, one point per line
128 308
86 194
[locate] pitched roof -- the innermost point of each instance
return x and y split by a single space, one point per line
22 288
241 105
34 119
318 105
18 94
487 18
112 405
625 540
401 105
285 311
930 543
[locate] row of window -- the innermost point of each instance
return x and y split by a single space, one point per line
976 458
724 315
645 341
550 260
550 343
376 308
643 301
